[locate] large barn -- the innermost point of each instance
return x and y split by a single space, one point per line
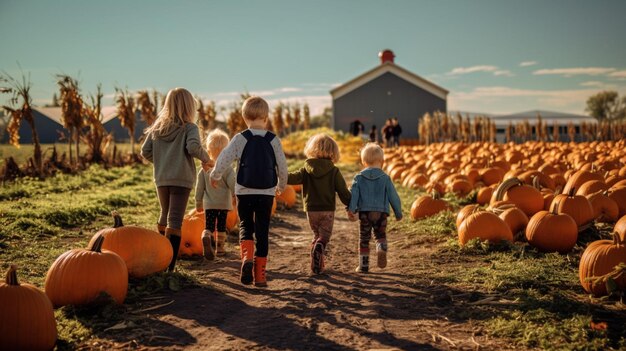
49 125
386 91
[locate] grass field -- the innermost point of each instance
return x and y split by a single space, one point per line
513 291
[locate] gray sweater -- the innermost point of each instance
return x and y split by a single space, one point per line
233 152
219 198
172 155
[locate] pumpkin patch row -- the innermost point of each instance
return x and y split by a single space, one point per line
539 192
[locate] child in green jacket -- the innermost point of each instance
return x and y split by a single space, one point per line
320 180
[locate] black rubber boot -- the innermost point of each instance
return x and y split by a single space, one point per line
175 241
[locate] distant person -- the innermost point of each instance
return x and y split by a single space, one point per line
262 173
356 128
372 191
387 133
373 134
396 130
320 180
171 144
215 203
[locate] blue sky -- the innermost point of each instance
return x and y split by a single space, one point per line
493 56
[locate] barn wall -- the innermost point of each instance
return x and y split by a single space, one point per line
382 98
48 130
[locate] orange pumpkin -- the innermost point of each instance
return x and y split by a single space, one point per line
426 206
550 231
577 206
287 198
525 197
579 178
484 195
465 212
620 228
26 316
493 175
484 226
79 276
590 187
619 196
144 251
460 187
605 210
600 258
191 234
516 219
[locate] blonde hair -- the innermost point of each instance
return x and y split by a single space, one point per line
179 108
372 153
216 141
255 108
322 146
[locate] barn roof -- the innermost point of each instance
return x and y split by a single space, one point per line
56 114
389 67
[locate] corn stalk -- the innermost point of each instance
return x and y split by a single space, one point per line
72 110
306 112
146 106
96 138
19 109
126 113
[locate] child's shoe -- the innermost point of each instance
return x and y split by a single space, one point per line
259 271
364 264
247 261
381 254
220 239
208 245
317 257
161 229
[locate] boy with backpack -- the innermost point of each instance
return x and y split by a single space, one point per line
261 174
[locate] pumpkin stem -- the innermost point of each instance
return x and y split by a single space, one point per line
97 245
435 194
617 239
12 276
117 219
572 192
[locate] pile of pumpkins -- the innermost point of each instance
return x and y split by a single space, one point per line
78 277
81 276
544 193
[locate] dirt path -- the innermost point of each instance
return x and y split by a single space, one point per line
338 310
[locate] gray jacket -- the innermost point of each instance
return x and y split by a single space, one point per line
219 198
172 155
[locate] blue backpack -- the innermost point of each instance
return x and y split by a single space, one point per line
257 165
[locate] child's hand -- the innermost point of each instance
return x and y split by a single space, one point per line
278 192
213 183
206 166
351 216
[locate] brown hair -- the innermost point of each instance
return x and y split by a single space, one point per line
255 108
322 146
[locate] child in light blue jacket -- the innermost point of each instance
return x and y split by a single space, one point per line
372 193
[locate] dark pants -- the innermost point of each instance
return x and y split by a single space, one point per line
254 213
376 221
173 200
213 217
